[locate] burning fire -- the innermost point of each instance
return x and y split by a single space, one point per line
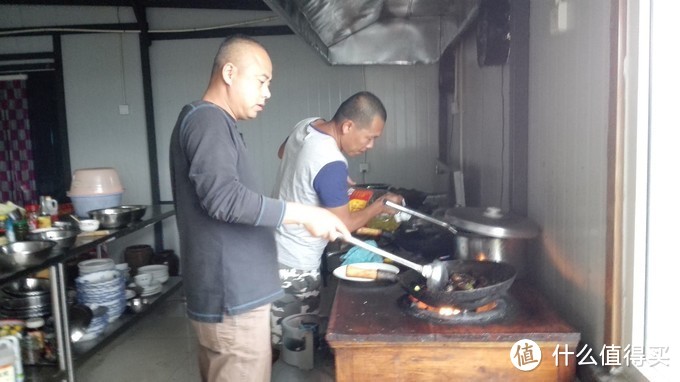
450 310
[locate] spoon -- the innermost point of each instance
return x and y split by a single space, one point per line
75 218
436 272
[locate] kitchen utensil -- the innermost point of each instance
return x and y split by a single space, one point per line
74 217
492 234
80 317
422 216
435 272
88 225
63 237
347 272
114 217
29 286
95 181
25 253
499 276
138 211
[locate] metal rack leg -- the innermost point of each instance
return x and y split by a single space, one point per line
61 324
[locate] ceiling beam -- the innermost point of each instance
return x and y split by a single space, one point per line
246 5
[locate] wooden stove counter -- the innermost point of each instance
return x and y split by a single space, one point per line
374 339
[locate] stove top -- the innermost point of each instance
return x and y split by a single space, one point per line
367 313
451 315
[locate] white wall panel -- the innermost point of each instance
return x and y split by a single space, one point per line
406 152
568 106
99 136
304 86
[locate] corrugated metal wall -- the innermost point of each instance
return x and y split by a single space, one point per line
304 86
568 120
568 106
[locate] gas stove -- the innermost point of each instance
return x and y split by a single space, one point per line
452 315
376 334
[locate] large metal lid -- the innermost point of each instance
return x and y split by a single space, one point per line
491 221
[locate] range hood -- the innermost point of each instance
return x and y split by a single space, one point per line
361 32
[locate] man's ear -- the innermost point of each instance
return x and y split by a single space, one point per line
228 72
347 125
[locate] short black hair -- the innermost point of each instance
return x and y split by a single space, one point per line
225 51
361 108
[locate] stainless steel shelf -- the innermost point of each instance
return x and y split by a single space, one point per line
64 370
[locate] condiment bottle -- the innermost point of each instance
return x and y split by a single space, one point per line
33 341
21 230
9 230
32 212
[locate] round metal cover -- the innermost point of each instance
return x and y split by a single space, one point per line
492 222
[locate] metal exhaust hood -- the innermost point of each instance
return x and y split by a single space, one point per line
364 32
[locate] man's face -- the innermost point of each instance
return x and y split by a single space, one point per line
357 140
249 89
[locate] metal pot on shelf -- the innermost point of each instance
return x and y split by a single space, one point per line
492 234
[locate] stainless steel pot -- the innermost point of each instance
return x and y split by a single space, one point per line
491 234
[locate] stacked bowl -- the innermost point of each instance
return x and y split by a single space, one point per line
95 188
159 272
103 288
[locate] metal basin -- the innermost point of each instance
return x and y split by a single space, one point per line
138 211
29 286
64 238
114 217
24 253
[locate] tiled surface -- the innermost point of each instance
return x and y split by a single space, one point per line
162 347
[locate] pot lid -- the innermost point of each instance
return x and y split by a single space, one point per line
491 221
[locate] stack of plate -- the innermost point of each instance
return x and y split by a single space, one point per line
103 288
152 289
95 265
158 271
100 320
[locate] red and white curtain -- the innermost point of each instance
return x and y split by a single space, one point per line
17 175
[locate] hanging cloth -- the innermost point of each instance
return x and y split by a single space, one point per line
17 175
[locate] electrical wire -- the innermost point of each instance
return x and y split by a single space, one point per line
122 59
500 203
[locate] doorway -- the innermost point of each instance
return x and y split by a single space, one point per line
35 159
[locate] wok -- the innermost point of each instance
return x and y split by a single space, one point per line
500 277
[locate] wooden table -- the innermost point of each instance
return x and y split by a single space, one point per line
376 340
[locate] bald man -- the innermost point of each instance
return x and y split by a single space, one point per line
226 225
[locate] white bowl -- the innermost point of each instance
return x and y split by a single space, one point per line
95 265
88 225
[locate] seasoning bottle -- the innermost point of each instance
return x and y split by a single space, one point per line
9 231
32 212
21 230
33 341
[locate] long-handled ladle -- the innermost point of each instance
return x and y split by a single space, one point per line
436 273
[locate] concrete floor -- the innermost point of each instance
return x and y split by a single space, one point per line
162 347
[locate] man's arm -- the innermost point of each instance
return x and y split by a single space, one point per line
357 219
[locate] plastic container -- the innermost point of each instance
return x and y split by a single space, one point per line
83 204
95 181
11 368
